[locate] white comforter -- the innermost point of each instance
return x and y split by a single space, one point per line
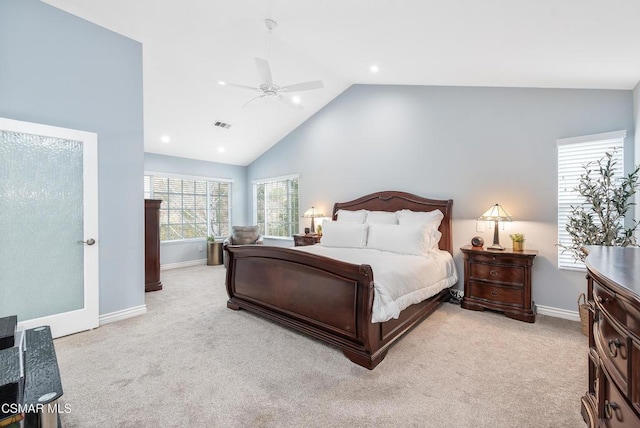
400 280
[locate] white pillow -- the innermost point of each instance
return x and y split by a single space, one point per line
431 219
347 235
408 239
382 217
345 216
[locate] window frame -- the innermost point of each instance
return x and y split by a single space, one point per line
603 143
208 181
292 228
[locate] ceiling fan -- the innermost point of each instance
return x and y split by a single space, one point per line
268 89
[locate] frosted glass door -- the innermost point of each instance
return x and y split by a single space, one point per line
48 270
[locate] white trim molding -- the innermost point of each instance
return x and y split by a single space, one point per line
123 314
558 313
169 266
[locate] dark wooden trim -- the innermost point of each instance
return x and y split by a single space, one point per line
326 298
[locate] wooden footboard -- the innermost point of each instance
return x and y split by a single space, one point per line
325 298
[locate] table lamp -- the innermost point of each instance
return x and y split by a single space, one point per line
496 213
312 213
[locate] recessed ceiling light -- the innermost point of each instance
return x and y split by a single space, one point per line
221 82
221 149
165 139
295 99
374 68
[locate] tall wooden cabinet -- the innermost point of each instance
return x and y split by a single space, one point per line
613 287
152 245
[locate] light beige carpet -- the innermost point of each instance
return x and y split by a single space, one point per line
191 362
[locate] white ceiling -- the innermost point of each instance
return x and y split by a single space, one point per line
189 45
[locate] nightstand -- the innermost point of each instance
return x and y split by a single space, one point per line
302 240
500 281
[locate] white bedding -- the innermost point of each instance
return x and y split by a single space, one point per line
400 280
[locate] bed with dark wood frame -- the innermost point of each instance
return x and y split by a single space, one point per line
325 298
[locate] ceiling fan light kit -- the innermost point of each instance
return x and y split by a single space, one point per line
269 89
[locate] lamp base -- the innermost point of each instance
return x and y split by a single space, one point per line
496 247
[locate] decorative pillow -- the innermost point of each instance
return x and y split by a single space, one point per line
382 217
347 235
346 216
411 239
243 235
431 219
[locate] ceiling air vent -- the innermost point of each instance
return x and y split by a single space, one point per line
222 125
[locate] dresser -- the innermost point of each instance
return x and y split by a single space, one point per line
152 245
499 280
613 296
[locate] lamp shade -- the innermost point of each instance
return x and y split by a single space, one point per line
312 213
496 213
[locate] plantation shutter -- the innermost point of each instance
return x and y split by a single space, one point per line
573 155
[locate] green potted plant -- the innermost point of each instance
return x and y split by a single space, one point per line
518 241
600 219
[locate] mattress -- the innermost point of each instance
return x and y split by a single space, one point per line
400 280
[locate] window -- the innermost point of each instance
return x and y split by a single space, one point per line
573 154
191 207
276 206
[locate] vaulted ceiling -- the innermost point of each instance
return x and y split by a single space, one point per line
189 45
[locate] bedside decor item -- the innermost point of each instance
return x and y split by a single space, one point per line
312 213
518 241
319 230
496 214
477 241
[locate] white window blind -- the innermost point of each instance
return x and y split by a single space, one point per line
191 207
573 155
276 209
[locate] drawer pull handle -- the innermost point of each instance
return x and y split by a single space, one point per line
602 300
614 345
611 408
493 273
494 293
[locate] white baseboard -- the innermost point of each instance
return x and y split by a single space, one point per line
183 264
123 314
558 313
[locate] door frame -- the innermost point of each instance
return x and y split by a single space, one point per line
87 317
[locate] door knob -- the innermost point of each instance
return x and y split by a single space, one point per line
89 241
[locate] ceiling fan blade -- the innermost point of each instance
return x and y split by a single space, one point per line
235 85
264 71
252 100
288 102
305 86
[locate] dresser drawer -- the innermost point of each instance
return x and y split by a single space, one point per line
496 293
508 274
609 303
616 411
612 345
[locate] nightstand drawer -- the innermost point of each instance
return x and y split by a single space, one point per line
496 293
500 258
508 274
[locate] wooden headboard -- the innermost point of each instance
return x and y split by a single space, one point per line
394 201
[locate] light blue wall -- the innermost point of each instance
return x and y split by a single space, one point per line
477 146
60 70
184 251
